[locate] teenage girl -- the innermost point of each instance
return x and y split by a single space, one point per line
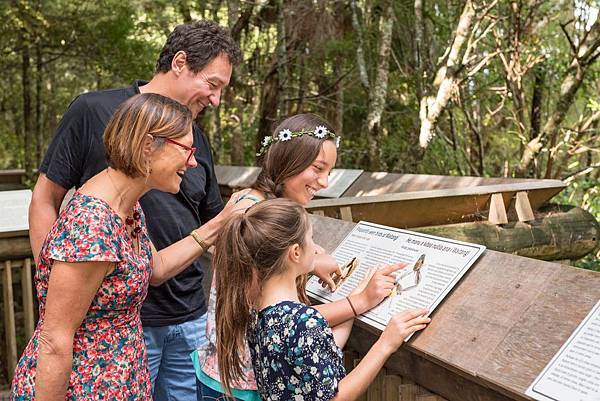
296 161
296 351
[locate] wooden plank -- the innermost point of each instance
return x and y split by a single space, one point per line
27 291
318 212
497 213
408 392
9 318
542 328
378 183
434 207
391 387
375 390
523 207
15 247
346 213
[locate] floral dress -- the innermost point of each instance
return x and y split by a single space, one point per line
294 354
109 354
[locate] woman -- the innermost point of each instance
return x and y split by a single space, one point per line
296 162
97 261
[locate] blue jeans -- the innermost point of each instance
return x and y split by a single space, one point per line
206 393
171 368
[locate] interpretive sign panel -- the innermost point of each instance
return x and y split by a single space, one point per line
573 374
14 210
434 266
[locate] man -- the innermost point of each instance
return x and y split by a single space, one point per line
194 66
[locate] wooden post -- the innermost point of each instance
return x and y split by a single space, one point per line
363 396
375 390
523 207
27 291
408 392
497 213
9 319
346 213
391 387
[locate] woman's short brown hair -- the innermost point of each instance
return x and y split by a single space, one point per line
141 115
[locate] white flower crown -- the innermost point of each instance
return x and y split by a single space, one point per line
319 132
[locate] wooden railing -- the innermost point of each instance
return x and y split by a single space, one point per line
17 298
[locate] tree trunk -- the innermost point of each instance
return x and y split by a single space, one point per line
378 94
586 54
446 78
360 52
39 152
536 101
555 234
28 133
184 10
269 98
419 47
234 109
282 60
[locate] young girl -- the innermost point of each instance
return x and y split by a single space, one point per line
295 352
296 162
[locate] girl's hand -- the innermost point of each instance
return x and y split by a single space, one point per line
401 326
377 284
325 267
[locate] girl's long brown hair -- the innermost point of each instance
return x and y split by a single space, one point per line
285 159
250 249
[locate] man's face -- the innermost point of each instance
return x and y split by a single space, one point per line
201 89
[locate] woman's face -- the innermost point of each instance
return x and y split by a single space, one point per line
169 163
303 186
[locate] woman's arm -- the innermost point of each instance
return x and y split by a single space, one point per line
172 260
71 289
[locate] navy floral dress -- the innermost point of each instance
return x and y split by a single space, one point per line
294 354
109 354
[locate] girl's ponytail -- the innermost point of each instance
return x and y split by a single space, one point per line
250 249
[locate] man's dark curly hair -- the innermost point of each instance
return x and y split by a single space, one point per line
202 41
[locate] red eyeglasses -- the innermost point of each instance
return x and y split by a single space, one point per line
190 149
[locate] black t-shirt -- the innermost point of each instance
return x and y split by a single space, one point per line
77 153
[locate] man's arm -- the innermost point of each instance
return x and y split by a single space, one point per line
43 211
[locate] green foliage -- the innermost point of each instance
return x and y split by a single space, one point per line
84 45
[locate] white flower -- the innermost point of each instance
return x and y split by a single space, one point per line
310 323
294 380
285 135
337 141
297 370
298 397
320 132
309 341
266 140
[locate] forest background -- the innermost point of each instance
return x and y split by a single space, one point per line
503 88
